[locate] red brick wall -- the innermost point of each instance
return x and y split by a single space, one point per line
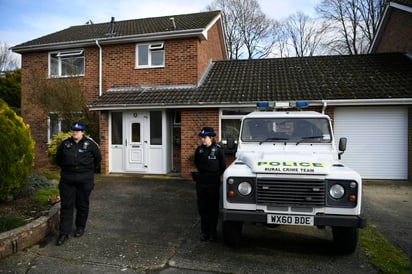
212 48
192 122
35 66
409 143
119 66
104 141
32 114
397 34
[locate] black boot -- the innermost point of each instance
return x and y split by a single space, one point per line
79 232
204 237
61 239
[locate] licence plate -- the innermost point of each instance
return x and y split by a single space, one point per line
290 219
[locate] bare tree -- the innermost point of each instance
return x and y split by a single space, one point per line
248 31
8 60
65 98
353 23
301 34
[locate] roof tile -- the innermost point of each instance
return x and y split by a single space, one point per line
124 28
374 76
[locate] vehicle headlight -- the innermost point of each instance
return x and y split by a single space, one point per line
244 188
336 191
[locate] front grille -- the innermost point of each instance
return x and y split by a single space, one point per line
292 193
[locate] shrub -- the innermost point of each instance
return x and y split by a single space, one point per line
42 196
34 183
54 145
16 152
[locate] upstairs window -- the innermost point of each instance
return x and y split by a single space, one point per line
66 63
150 55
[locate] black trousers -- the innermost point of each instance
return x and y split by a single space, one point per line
74 196
208 205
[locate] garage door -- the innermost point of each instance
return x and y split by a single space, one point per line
377 140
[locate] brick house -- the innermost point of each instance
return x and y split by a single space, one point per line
170 51
155 82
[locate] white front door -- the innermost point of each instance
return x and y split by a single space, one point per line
136 141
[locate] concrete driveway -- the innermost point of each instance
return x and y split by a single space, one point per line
151 225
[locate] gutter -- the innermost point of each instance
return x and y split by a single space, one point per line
100 67
202 105
114 40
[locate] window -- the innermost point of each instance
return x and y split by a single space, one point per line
230 123
117 128
66 63
136 133
58 124
156 128
150 55
312 130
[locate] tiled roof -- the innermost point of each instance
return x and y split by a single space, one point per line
375 76
404 2
128 28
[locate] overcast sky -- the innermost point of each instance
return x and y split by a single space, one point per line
24 20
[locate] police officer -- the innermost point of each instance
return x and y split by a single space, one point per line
77 156
210 163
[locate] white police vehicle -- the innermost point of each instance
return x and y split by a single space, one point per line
287 171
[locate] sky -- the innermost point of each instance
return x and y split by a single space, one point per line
25 20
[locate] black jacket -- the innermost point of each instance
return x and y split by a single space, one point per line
78 158
210 161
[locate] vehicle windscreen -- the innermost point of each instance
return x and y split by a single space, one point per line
299 130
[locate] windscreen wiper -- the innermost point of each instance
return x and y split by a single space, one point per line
274 139
307 138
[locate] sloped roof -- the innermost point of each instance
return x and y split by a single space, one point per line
403 2
241 82
145 27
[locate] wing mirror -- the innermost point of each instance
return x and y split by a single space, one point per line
342 146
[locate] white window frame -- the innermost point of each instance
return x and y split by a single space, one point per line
59 124
151 48
239 117
61 56
49 126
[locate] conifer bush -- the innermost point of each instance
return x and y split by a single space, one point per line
16 152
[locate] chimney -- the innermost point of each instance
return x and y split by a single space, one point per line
111 28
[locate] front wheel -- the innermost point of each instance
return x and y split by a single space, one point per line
232 232
345 239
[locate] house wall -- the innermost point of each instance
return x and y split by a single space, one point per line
192 121
35 73
119 68
409 143
31 113
211 49
397 33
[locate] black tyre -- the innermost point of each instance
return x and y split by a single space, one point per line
345 239
232 232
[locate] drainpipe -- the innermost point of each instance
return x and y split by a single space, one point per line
325 104
100 67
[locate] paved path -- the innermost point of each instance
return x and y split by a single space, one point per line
151 225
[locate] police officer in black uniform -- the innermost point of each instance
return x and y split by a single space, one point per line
210 163
78 156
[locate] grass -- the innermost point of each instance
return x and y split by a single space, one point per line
381 254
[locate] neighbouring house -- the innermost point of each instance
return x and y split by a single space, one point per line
156 81
394 33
